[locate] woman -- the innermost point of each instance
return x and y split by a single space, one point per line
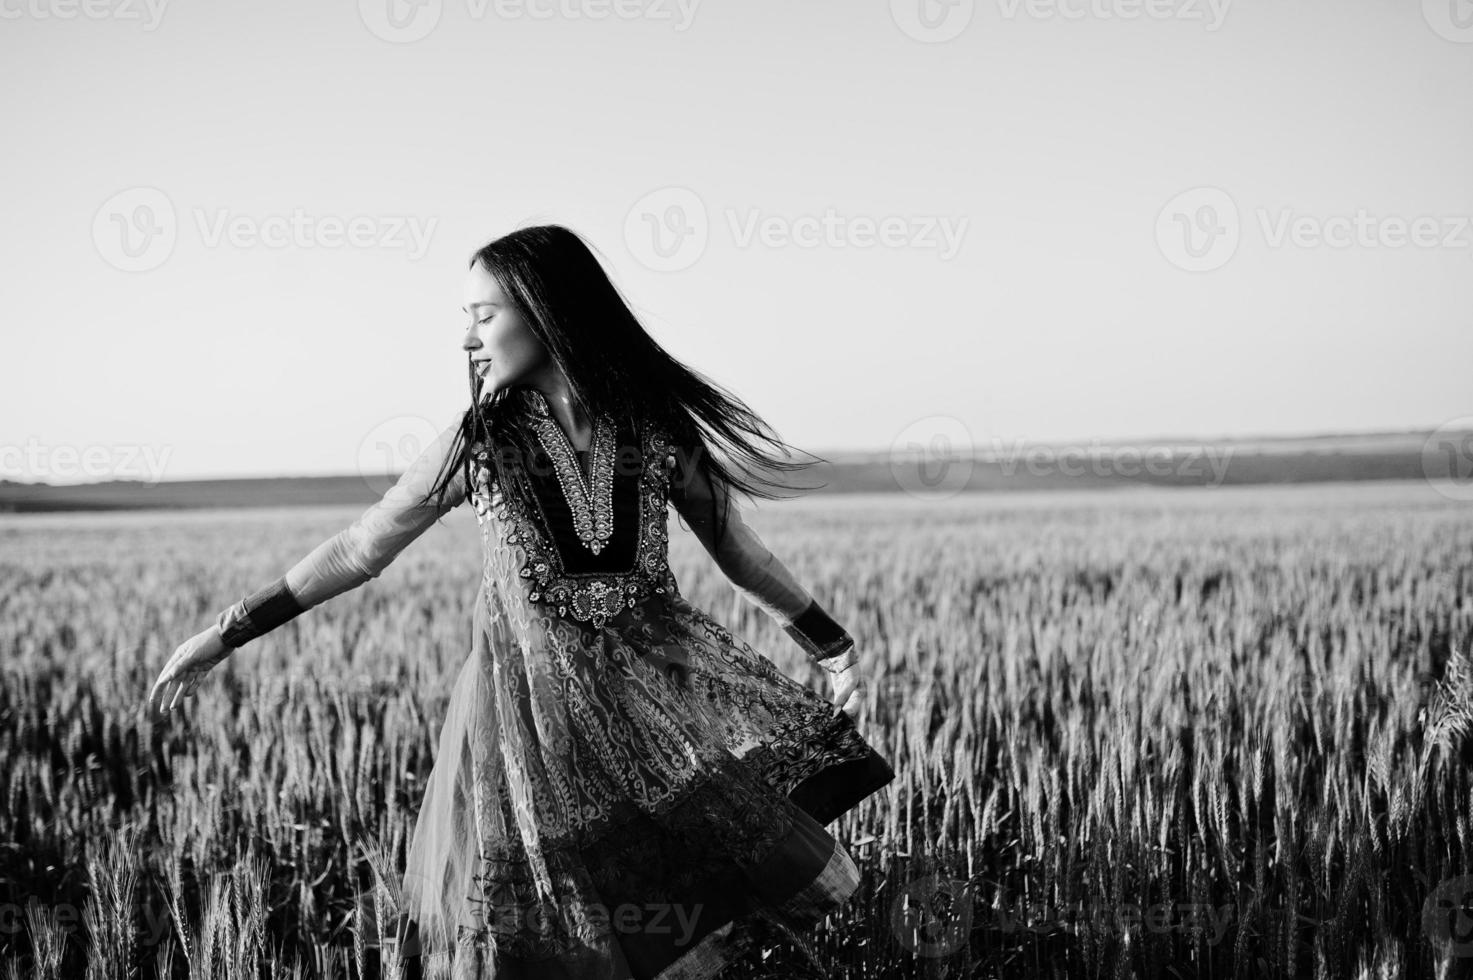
622 789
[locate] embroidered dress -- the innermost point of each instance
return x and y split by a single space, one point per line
622 789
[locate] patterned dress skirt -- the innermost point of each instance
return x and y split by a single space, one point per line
630 802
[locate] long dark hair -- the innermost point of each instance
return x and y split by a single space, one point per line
612 365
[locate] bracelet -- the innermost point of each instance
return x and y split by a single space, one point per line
837 665
258 613
818 634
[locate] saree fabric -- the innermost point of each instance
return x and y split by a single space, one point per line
623 789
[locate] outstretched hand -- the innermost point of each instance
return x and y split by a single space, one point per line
189 664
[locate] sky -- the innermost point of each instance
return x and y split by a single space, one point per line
236 232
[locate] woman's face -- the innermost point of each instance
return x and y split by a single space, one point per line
503 348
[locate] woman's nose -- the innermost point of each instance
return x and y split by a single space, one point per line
471 341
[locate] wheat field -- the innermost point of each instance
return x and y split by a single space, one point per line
1214 732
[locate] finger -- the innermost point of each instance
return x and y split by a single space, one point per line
159 697
178 695
166 690
155 696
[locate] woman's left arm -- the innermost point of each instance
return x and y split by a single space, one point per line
753 569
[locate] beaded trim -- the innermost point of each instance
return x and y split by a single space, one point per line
592 502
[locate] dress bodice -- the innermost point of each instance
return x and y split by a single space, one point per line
595 539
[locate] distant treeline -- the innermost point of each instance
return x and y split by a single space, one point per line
1037 469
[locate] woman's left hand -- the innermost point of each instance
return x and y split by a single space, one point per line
189 664
847 680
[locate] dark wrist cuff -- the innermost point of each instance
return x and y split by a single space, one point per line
818 634
258 613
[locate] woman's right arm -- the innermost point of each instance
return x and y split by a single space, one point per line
358 553
345 561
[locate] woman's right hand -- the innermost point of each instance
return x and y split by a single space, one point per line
184 670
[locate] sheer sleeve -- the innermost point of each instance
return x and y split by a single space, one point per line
363 549
356 554
750 565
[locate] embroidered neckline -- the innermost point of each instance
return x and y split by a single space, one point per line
590 500
588 597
